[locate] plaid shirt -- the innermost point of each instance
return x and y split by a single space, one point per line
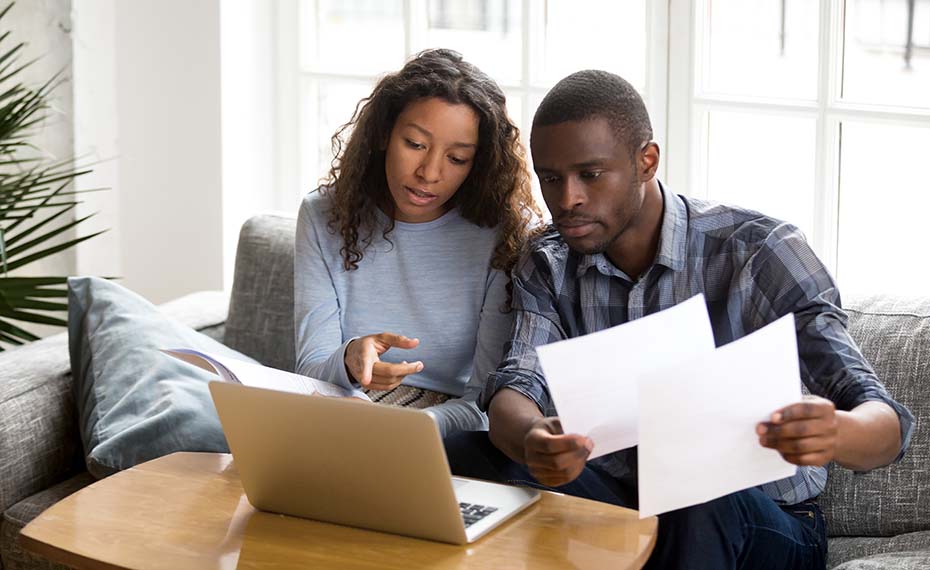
752 269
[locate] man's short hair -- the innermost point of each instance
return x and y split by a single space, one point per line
592 93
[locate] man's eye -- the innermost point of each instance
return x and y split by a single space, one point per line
549 179
414 144
590 175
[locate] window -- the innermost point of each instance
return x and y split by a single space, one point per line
817 113
525 45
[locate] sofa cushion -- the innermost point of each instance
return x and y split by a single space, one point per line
135 403
894 335
20 514
878 550
896 561
261 309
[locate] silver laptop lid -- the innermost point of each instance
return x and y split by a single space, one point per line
340 460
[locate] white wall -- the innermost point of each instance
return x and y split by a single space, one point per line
248 45
45 27
148 97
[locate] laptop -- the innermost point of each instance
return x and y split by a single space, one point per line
355 463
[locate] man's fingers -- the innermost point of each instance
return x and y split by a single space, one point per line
570 461
549 444
798 446
810 408
799 429
387 340
818 458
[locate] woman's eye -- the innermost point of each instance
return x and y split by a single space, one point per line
457 160
549 179
414 144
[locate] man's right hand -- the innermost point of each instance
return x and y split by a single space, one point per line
552 457
363 360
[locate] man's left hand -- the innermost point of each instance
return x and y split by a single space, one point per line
804 433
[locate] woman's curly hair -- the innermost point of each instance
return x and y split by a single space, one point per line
495 194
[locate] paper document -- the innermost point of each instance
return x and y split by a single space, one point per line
593 379
697 420
256 375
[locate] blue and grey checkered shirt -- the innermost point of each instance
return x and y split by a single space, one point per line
752 269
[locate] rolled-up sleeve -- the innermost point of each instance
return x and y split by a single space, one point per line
536 323
791 279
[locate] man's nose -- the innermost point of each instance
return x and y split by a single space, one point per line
571 194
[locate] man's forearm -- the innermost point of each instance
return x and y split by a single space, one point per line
510 417
868 436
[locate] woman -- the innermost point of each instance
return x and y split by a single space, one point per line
403 256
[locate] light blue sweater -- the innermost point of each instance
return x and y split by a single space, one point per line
434 283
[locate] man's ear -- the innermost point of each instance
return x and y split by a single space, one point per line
648 161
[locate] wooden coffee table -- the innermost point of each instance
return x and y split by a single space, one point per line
188 510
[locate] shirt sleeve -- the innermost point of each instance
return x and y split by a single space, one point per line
787 277
536 322
318 342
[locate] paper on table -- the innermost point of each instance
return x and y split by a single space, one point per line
593 378
697 423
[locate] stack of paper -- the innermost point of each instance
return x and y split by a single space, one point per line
659 382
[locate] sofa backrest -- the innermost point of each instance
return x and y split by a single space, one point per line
261 307
894 335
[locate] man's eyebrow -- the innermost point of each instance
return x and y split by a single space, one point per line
593 163
430 135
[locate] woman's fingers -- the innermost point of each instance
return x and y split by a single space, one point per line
388 375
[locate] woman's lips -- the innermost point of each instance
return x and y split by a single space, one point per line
419 197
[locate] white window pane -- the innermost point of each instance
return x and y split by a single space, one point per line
488 34
352 36
596 34
763 48
884 200
881 65
327 106
763 162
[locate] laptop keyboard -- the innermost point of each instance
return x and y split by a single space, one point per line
473 513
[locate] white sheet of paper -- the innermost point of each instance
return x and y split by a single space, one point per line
697 422
593 378
258 376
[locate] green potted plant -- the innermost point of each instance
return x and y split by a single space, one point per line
35 200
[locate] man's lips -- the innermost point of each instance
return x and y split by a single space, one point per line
575 227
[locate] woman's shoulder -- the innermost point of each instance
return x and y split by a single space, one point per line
317 200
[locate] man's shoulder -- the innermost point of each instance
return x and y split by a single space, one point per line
545 253
738 226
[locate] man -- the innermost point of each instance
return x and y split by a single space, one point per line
622 246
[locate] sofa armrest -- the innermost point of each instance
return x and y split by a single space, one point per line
39 440
39 443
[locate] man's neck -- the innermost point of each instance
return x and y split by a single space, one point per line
635 249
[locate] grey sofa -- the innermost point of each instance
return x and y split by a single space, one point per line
877 520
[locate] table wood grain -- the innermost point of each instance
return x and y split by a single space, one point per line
188 510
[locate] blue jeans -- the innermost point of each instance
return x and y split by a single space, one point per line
741 530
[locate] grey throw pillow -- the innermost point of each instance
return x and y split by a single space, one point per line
134 402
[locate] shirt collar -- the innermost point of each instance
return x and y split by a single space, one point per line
672 241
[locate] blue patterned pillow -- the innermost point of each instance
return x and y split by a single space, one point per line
134 402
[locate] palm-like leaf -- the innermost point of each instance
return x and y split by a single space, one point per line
34 201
